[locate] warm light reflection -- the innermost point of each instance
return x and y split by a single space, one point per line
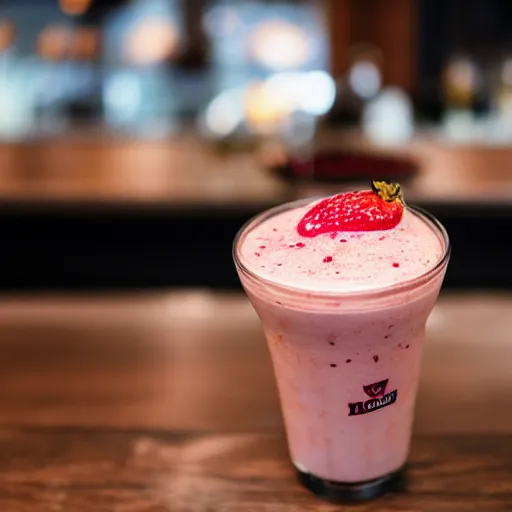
283 89
86 44
6 34
54 42
263 110
461 81
74 7
151 41
265 105
280 45
504 94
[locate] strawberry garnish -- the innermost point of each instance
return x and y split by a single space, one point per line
378 209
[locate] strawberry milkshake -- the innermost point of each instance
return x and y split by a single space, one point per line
343 287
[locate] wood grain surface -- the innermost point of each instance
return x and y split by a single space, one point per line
166 402
198 359
99 470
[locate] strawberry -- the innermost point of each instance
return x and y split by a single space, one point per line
367 210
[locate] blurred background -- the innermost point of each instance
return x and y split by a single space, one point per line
129 127
137 136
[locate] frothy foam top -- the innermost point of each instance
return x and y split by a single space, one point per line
343 261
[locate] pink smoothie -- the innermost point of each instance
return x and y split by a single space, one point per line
344 316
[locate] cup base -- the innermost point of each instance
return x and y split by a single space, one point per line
339 492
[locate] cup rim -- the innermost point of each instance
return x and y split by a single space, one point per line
378 292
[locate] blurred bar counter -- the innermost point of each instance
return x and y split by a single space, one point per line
92 171
97 212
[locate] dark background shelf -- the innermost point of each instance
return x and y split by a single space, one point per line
67 247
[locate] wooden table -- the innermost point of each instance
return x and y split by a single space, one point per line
165 402
80 470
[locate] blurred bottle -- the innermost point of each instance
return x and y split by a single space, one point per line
461 81
504 100
365 72
388 118
504 95
361 85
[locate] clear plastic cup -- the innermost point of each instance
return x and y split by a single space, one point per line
347 367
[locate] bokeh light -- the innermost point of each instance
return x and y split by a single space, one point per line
7 34
263 110
389 118
318 93
225 113
54 42
365 70
279 45
461 80
365 79
122 96
151 41
86 43
74 7
311 92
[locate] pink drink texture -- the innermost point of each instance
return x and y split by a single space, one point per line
340 312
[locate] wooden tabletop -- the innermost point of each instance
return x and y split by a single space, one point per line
166 402
79 470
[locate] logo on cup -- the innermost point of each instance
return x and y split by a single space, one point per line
378 399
